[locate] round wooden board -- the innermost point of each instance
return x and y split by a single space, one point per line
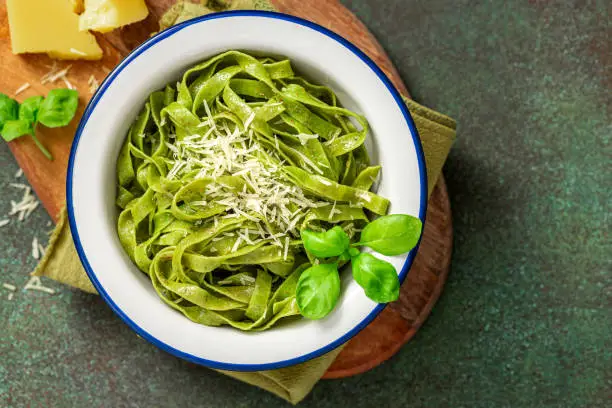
400 320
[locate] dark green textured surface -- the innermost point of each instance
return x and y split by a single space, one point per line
525 318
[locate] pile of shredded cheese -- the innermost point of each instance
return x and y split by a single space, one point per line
55 73
27 205
223 152
21 210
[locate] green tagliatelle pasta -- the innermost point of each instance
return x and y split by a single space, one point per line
219 174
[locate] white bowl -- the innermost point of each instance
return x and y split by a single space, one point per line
316 52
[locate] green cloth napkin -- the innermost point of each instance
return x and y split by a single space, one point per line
62 263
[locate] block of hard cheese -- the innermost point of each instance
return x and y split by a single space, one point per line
49 26
106 15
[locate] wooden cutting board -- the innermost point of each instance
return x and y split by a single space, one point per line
397 323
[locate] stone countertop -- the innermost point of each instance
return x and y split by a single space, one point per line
525 318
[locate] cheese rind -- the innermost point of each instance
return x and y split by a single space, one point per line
49 26
106 15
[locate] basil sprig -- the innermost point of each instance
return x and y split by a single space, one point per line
318 288
17 120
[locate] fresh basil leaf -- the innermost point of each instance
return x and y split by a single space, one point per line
318 290
8 109
58 108
16 128
378 278
28 110
353 252
326 244
392 234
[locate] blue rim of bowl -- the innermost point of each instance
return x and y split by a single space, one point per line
97 96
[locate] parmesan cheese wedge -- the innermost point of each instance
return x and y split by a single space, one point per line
49 26
106 15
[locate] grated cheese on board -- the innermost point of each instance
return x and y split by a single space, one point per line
54 74
22 88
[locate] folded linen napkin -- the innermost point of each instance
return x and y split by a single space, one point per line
62 263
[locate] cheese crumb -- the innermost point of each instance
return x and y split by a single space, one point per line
53 75
35 284
22 88
67 83
35 251
27 204
286 249
304 138
93 84
10 287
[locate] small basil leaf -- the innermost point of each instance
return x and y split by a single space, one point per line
8 109
318 290
16 128
327 243
378 278
58 108
28 110
353 252
392 234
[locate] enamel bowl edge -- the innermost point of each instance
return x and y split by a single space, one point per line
314 51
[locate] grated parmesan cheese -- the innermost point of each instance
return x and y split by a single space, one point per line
22 88
35 284
53 75
331 213
309 162
67 83
286 249
27 204
237 243
265 197
249 120
93 84
10 287
304 138
4 223
35 249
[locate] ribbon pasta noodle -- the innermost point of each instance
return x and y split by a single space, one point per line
220 172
